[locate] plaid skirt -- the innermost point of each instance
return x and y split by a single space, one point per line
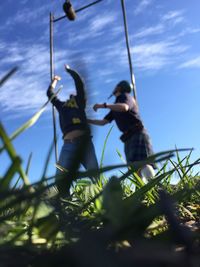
138 147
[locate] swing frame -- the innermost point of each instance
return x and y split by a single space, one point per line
53 20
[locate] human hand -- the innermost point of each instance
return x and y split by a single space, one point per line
57 78
67 67
97 106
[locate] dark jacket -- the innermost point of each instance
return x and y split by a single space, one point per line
71 112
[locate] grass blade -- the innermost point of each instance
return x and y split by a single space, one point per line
30 122
8 75
104 147
12 154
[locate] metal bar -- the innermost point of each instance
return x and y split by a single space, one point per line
128 49
51 77
80 9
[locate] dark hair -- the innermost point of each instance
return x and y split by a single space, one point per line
125 86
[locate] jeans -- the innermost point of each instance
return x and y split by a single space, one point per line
80 151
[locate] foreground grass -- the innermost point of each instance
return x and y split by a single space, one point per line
107 223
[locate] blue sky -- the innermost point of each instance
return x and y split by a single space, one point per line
164 39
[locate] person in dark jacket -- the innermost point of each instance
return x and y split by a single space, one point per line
75 129
124 112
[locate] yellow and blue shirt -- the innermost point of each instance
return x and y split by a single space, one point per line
72 114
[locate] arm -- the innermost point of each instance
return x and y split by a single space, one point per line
118 107
50 92
55 80
78 83
52 86
107 119
98 122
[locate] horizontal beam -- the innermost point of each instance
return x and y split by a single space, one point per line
78 10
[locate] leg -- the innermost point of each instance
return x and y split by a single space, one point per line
138 148
66 160
89 161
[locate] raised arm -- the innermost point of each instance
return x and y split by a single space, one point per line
78 83
50 91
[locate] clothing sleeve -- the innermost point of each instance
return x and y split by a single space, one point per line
127 99
54 100
79 87
122 99
109 117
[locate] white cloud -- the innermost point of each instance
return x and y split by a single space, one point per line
189 30
168 21
146 55
27 16
97 26
193 63
77 38
104 72
2 45
149 31
155 56
174 17
26 90
22 94
172 14
142 6
116 30
11 53
100 22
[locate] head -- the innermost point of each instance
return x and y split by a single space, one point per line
122 87
71 96
69 100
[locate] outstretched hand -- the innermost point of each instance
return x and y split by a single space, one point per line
97 106
67 67
57 78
